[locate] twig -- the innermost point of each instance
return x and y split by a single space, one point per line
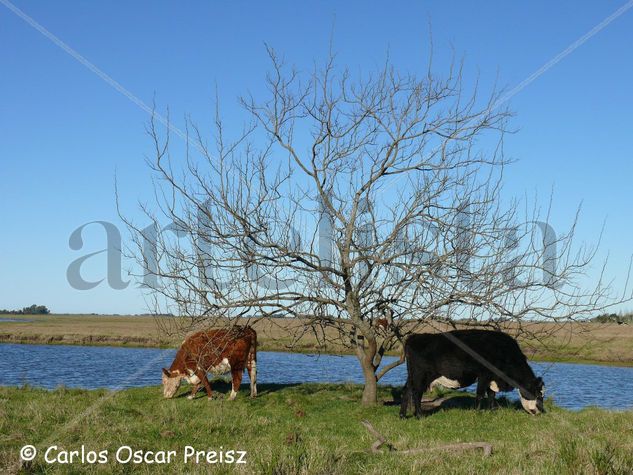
375 447
382 441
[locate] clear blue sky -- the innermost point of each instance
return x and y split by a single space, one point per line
64 131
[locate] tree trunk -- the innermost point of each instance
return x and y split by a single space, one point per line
370 391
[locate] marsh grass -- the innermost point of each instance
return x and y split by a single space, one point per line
306 429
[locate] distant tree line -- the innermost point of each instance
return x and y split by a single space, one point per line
614 318
32 310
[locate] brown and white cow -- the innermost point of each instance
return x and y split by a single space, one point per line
213 351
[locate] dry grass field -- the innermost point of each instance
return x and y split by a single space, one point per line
606 343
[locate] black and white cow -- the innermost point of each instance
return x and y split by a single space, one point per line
458 358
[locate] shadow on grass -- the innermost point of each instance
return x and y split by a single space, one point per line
452 400
222 388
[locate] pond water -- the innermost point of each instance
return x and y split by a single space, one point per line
573 386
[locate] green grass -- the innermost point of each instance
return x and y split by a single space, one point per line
307 428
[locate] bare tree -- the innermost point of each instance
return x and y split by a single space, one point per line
363 206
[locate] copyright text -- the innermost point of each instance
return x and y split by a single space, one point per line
130 455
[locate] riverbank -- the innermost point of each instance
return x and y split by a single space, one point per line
591 343
308 428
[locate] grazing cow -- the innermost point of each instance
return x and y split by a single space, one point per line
217 352
458 358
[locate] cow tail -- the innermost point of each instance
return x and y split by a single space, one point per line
252 353
406 360
251 363
407 390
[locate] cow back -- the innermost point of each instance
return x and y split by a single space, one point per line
473 351
207 349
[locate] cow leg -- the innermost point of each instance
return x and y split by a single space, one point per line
406 397
202 379
252 375
237 381
492 399
482 388
417 390
194 390
207 385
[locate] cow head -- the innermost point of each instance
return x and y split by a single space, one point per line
171 382
532 397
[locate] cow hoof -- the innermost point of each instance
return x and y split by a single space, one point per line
209 398
190 397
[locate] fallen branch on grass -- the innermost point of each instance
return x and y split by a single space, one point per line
382 441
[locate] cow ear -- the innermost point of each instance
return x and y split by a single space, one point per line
166 372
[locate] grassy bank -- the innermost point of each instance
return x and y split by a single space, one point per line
601 343
306 429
